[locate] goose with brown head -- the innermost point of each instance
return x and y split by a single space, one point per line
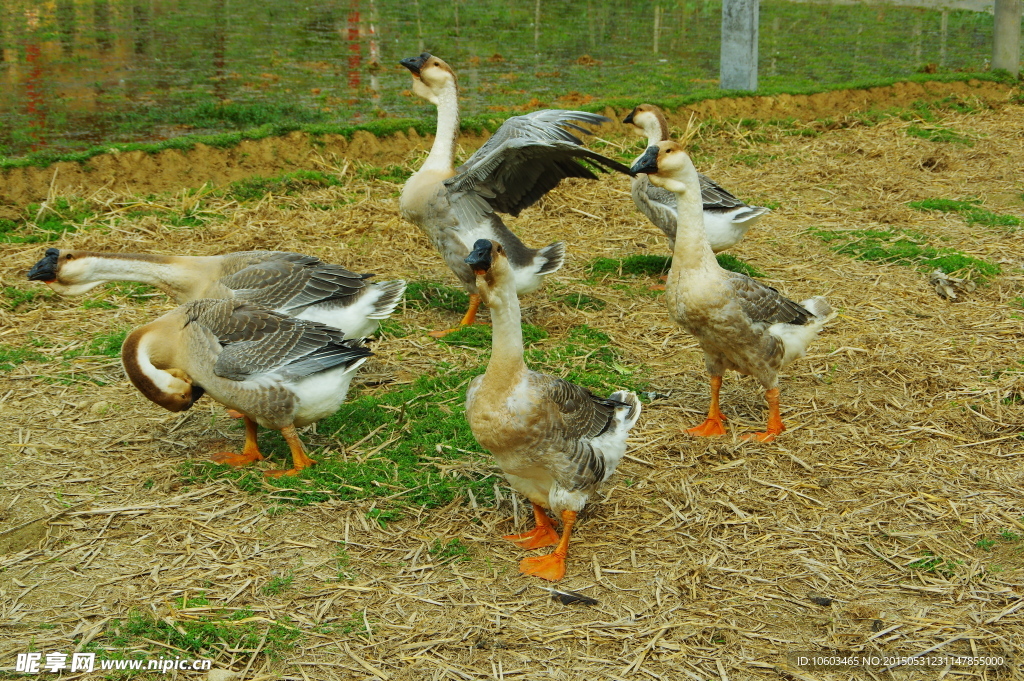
555 441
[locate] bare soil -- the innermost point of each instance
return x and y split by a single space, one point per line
884 520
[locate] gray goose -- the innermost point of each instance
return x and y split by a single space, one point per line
527 157
277 371
291 283
555 441
740 323
726 218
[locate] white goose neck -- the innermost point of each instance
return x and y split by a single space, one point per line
507 327
692 250
442 153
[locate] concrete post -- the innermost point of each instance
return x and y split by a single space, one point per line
738 70
1006 37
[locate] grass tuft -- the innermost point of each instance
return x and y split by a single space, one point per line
971 211
435 295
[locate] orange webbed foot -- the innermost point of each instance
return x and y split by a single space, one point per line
236 460
288 473
234 414
710 428
550 567
537 538
766 436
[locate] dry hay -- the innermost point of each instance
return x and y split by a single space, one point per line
904 441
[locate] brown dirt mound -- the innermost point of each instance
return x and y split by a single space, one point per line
893 500
142 173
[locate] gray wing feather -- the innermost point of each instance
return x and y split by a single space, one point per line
762 303
527 157
583 417
714 196
255 340
291 282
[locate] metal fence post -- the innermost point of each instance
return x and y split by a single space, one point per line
738 70
1006 37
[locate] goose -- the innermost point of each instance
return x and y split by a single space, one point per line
739 323
277 371
555 441
291 283
527 156
726 218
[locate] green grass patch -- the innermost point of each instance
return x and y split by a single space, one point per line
393 173
903 247
278 583
13 298
42 223
578 301
971 211
479 336
11 357
105 344
936 564
657 265
452 550
939 134
432 294
286 184
210 635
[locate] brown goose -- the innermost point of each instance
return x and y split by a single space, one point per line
291 283
740 323
555 441
527 157
726 218
277 371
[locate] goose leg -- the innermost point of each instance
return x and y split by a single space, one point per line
774 419
713 423
468 319
299 458
552 566
542 535
250 453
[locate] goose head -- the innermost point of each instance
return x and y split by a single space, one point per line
668 166
145 356
430 76
494 275
66 272
648 120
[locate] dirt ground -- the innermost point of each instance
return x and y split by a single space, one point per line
888 519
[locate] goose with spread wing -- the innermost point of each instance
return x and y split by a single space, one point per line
297 285
740 323
279 372
527 157
726 218
555 441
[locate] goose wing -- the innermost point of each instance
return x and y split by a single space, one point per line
527 157
256 341
291 282
581 416
713 195
659 205
762 303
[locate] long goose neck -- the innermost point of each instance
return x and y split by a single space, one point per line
177 276
506 363
442 153
655 127
692 251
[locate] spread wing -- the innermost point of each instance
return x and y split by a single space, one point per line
527 157
762 303
582 416
255 340
291 282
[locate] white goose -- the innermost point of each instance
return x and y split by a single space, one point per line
555 441
277 371
527 157
291 283
726 218
740 323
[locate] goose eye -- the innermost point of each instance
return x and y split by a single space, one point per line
69 257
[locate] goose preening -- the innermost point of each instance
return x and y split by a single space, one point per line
726 218
290 283
527 157
740 323
277 371
555 441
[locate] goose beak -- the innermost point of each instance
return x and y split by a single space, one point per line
414 64
46 269
629 119
480 258
648 163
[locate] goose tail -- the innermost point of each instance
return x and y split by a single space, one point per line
551 257
389 295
